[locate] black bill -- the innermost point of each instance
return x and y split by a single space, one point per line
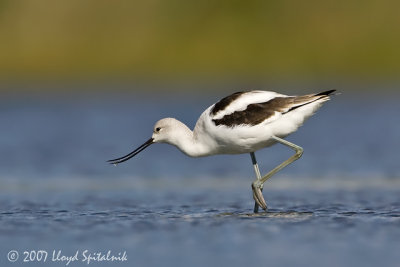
132 154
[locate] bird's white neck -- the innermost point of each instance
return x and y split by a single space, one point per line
184 139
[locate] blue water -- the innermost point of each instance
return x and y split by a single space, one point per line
339 205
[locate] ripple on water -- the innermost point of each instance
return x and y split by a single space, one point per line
277 214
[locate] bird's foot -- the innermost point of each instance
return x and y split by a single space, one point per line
258 196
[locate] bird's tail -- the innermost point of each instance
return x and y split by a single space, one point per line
300 101
327 93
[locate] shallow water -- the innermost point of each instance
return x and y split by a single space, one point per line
339 205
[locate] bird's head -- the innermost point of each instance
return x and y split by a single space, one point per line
164 131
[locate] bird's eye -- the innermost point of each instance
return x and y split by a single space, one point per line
158 129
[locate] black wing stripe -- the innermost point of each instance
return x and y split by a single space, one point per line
256 113
224 102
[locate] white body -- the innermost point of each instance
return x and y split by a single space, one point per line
209 139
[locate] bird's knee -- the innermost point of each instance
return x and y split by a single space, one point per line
299 152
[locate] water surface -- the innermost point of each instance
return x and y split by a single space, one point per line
338 205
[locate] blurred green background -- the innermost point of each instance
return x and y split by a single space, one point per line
83 81
178 40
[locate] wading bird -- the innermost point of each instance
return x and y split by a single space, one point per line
243 122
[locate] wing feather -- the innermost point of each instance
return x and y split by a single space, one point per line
253 113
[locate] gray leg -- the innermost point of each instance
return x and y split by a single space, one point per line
257 185
258 175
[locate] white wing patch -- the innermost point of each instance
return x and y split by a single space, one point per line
241 103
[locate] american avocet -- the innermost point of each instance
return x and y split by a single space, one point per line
243 122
